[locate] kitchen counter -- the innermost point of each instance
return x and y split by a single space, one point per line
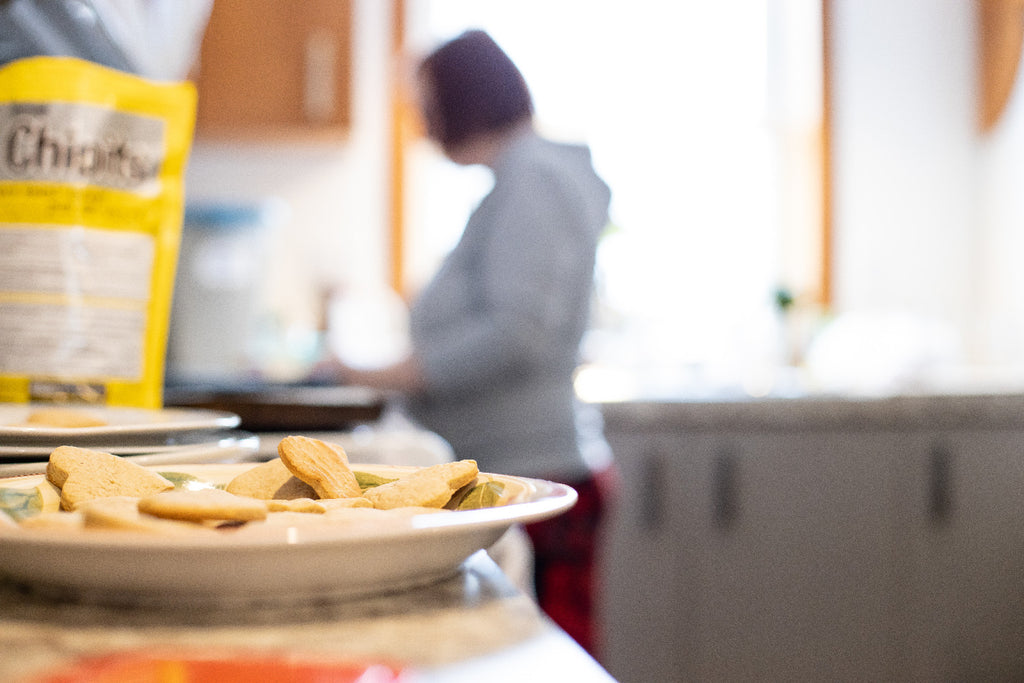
474 626
820 412
819 537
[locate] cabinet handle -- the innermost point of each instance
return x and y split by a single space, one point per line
940 485
318 85
726 506
652 485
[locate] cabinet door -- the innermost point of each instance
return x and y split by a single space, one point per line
650 585
963 530
796 557
275 69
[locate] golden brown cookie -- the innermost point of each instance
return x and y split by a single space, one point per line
64 417
322 465
307 505
429 487
203 505
341 503
268 481
86 474
66 458
122 513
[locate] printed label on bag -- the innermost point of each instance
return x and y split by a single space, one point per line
91 204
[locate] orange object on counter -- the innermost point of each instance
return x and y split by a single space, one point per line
140 667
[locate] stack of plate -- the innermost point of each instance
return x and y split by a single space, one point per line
149 437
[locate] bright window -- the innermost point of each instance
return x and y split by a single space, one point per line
704 118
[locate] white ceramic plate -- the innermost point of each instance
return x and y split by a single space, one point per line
265 563
228 448
119 423
130 446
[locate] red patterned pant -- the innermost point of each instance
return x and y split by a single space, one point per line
565 571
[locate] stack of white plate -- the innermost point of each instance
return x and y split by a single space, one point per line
148 437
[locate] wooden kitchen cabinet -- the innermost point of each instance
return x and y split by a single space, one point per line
275 70
830 550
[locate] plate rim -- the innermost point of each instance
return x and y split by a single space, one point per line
199 438
189 419
244 443
558 499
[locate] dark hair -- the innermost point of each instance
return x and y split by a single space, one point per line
473 88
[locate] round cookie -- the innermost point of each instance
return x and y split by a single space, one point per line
203 505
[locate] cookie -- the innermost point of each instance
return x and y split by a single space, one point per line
343 503
430 487
322 465
66 458
203 505
271 480
86 474
122 513
64 417
307 505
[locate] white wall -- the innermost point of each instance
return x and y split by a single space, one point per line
905 155
1000 310
928 220
335 230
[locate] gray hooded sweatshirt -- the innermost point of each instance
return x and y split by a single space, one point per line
498 329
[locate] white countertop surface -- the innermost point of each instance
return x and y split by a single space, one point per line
475 626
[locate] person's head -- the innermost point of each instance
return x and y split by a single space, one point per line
471 90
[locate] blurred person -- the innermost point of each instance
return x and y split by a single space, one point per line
495 335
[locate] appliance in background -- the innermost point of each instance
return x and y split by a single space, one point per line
218 292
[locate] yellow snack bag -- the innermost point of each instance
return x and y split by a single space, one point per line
92 167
